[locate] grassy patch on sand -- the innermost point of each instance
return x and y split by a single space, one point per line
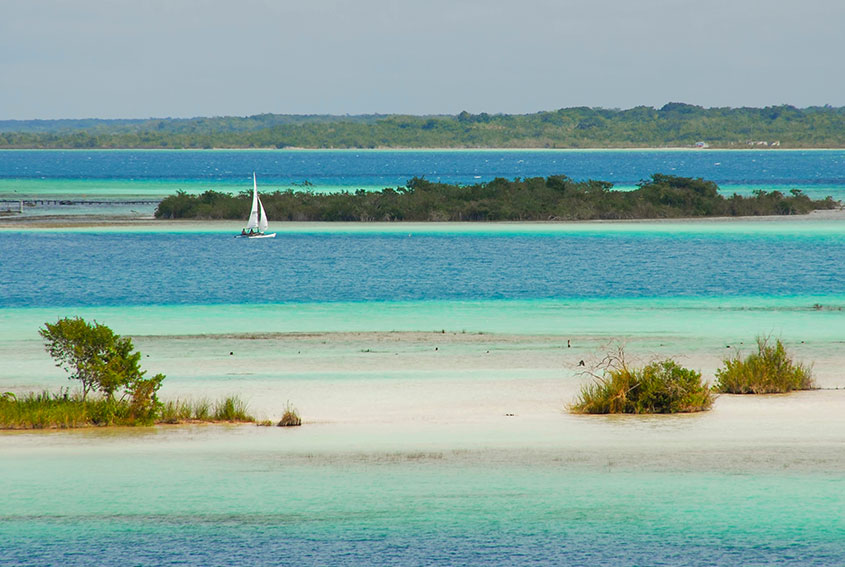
46 410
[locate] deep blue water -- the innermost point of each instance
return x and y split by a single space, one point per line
394 168
60 269
249 543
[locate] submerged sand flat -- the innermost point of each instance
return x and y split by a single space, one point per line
476 396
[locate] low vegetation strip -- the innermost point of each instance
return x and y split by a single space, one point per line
534 199
231 409
45 410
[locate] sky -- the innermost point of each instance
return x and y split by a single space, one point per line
185 58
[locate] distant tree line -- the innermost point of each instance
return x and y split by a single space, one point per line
674 125
537 199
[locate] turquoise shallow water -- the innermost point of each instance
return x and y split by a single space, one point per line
127 189
801 317
203 498
369 515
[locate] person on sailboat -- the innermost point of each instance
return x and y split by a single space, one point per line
257 221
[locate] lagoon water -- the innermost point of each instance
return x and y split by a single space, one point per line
79 269
112 177
407 456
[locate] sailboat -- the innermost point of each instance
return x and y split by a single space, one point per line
257 224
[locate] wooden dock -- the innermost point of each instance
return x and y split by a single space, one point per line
18 206
76 202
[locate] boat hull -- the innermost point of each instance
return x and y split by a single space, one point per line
271 235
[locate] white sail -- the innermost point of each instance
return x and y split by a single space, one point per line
257 223
262 220
252 224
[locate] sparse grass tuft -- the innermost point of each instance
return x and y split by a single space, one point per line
180 411
175 411
659 387
232 409
290 418
202 410
768 371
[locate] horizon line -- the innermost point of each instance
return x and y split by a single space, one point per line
426 115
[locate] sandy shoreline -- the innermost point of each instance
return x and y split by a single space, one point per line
148 223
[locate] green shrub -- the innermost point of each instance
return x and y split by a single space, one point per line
659 387
768 371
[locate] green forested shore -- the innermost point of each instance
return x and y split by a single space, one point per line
673 125
538 199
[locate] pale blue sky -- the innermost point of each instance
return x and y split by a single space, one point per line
137 59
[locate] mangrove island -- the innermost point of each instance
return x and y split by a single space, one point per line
554 198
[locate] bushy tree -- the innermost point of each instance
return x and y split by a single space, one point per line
102 361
